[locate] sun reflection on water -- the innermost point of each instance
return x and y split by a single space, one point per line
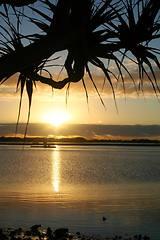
56 170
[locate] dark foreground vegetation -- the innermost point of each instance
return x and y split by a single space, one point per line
58 234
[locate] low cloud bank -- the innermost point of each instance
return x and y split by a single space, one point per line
8 89
85 130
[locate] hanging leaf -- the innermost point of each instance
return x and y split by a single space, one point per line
21 80
41 14
90 75
29 88
67 94
87 98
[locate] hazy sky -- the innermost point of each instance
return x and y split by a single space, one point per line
132 108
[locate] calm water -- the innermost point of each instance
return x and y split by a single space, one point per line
75 186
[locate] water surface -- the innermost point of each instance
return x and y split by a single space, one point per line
75 186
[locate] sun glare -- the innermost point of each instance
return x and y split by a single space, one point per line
56 171
57 118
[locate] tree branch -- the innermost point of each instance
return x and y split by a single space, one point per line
34 53
51 82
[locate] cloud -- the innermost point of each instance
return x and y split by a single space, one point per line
111 131
86 130
131 88
6 92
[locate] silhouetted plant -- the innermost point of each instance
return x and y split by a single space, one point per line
90 30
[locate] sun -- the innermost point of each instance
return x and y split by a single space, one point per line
57 117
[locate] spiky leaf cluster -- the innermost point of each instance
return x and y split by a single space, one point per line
94 32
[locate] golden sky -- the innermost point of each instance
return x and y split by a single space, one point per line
47 105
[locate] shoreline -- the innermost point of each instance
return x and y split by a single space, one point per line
80 141
83 144
34 233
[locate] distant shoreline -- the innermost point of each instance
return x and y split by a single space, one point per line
94 144
39 141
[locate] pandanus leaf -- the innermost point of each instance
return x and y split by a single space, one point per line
29 88
152 71
106 72
102 15
87 98
3 80
43 26
41 14
7 31
1 13
67 93
143 55
131 18
51 6
21 80
154 88
90 76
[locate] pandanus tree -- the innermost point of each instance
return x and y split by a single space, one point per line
94 32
